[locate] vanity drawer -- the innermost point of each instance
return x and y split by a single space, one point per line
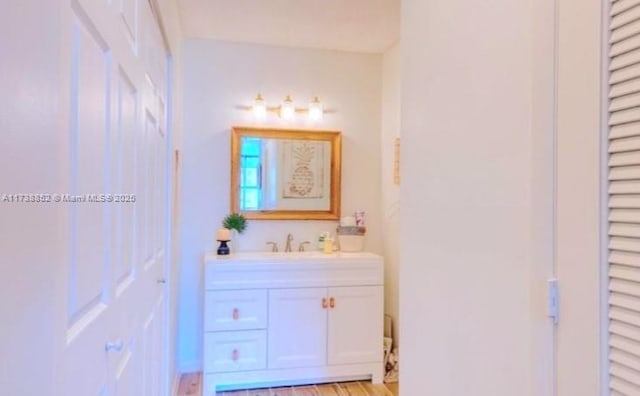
235 310
235 351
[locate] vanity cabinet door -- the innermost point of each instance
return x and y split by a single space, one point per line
297 328
355 324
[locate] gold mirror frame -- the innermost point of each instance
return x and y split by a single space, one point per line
335 140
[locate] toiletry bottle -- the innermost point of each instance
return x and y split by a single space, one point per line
328 245
321 240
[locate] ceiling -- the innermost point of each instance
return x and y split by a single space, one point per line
347 25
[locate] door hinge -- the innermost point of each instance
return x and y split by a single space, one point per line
553 300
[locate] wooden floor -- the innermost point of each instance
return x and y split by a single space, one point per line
190 385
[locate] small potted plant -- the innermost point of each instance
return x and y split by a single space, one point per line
237 223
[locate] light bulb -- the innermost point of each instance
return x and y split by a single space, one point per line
287 109
259 107
315 110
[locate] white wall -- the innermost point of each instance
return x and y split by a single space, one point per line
30 240
390 191
218 77
467 276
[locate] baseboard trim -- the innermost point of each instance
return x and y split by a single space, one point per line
229 381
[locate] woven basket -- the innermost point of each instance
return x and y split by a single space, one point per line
351 243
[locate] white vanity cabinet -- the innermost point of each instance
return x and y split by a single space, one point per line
318 326
292 318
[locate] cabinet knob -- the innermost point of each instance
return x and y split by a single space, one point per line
324 303
236 314
234 355
332 302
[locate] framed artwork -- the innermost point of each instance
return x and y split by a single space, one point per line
303 167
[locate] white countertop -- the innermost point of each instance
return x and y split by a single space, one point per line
292 257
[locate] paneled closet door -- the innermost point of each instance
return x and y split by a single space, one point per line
113 280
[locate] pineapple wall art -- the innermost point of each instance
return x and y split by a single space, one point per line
303 170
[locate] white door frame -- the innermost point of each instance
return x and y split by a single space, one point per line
168 334
604 202
580 200
543 186
168 226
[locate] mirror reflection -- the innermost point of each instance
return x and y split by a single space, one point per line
285 174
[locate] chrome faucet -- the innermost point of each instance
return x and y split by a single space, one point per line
287 247
274 246
301 246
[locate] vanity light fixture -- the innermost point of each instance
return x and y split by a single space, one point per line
287 109
259 107
315 110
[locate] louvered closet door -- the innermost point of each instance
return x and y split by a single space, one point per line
624 198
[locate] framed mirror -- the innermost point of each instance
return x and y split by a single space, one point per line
283 174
